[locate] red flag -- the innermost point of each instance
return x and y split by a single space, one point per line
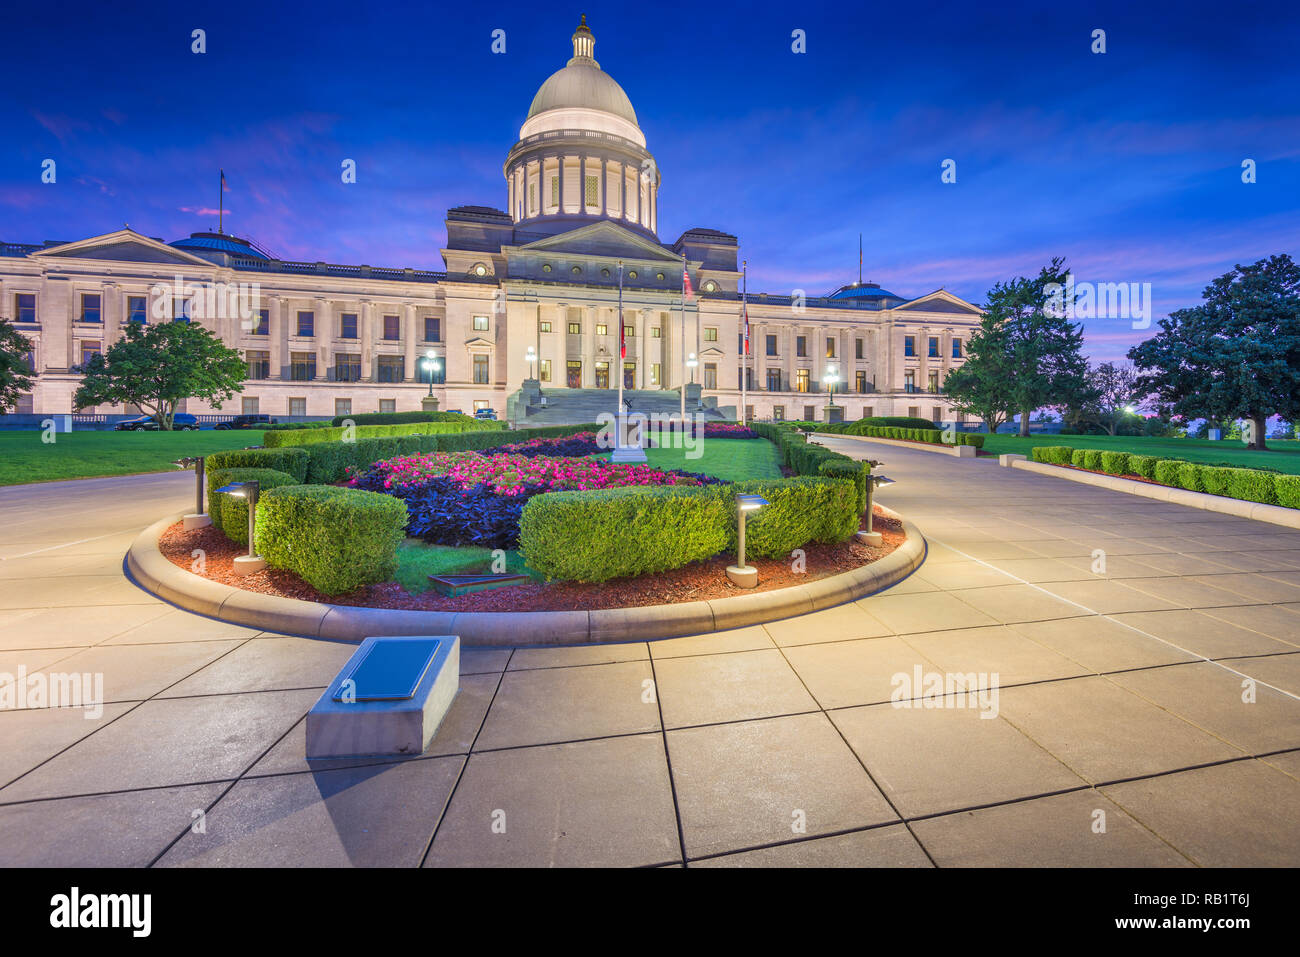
687 291
622 338
746 310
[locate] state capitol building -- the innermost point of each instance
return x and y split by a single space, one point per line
528 292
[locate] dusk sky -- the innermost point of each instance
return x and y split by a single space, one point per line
1127 163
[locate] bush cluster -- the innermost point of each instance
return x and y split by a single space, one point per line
399 418
230 512
335 434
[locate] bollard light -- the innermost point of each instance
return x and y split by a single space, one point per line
197 463
740 573
248 490
870 536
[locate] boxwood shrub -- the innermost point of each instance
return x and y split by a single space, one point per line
1114 463
1092 459
1216 479
400 418
1077 457
1252 485
314 436
855 472
1287 490
800 511
230 512
337 539
1143 465
1166 471
1051 454
1189 477
613 533
292 461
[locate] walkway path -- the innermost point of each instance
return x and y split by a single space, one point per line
1117 730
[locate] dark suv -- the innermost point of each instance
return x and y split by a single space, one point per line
245 422
181 421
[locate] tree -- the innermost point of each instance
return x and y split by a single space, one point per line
1234 356
15 365
1116 388
978 386
155 367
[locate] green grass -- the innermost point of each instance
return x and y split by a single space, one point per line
416 561
1283 456
25 458
733 460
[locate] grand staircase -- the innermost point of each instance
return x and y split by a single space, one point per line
532 407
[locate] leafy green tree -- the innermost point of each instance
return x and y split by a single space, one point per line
1115 386
1234 356
156 366
15 369
978 386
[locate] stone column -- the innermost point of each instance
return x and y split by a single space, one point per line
582 185
562 209
323 330
410 372
622 180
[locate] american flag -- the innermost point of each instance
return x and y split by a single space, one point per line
746 313
687 292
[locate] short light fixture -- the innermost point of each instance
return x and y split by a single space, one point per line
741 574
869 536
200 518
247 564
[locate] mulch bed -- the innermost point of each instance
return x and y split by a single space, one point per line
697 582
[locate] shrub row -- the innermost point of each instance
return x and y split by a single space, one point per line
314 436
336 539
292 460
399 418
230 512
614 533
797 453
909 434
1251 485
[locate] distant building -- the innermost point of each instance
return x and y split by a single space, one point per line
581 196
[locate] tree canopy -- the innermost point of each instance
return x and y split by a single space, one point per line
156 366
15 365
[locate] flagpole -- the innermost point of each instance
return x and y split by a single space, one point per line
621 436
683 389
221 201
744 355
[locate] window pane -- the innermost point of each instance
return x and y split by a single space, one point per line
137 309
432 329
306 323
480 323
480 370
26 307
90 308
392 327
348 325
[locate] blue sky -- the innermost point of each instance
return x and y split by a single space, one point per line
1127 163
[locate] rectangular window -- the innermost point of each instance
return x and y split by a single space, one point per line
629 332
575 328
861 382
25 307
830 348
545 325
909 381
710 375
934 347
909 345
913 412
656 332
137 309
258 363
302 367
348 325
602 329
262 324
592 196
810 413
857 348
306 323
387 405
392 328
937 414
432 329
748 380
801 346
532 198
480 323
89 347
480 404
654 373
347 368
956 348
934 381
778 413
298 406
481 370
248 405
545 371
390 369
710 333
868 411
771 345
773 380
800 380
90 308
342 406
573 371
555 191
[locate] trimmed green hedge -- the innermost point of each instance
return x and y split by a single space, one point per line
1249 485
797 453
290 460
230 512
399 418
618 532
621 532
337 539
315 436
858 473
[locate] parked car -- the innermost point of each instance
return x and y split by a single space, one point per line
181 421
485 414
245 422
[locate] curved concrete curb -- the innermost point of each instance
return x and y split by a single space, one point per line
156 574
1274 514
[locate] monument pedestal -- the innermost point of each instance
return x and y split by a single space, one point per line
429 403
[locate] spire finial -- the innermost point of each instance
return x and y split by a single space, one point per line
584 44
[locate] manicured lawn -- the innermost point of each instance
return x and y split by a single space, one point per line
1283 456
25 458
733 460
416 561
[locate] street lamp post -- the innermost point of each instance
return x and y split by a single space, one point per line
741 574
831 377
200 518
531 357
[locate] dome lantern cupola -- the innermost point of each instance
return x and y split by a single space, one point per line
584 45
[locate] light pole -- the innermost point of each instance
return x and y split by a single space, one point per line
740 573
200 519
531 357
247 564
831 377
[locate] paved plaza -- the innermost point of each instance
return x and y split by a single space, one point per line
1140 664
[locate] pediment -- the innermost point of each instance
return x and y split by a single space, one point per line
124 245
602 239
941 301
